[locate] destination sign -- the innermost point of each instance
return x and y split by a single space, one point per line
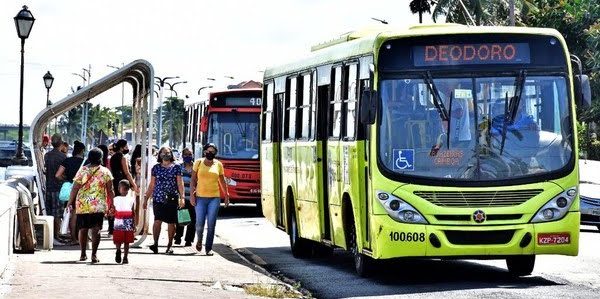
469 54
237 101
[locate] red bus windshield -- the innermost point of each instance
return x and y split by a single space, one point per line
235 133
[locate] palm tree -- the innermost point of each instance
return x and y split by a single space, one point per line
484 12
173 120
420 7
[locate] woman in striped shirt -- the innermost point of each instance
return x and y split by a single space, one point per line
186 174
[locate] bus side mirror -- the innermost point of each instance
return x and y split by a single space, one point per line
583 91
368 106
204 124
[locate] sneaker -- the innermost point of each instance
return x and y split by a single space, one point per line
188 244
177 241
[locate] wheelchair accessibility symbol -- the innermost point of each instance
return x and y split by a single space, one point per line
404 159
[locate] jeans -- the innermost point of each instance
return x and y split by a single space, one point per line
207 209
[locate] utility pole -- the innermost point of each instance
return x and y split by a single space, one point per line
85 105
511 3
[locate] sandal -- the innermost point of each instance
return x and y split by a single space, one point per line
199 246
118 256
169 251
83 258
154 248
95 260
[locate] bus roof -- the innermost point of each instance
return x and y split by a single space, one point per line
360 43
233 91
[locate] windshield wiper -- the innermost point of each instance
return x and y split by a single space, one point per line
437 101
439 104
510 109
238 122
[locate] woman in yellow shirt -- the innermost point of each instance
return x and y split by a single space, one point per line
205 194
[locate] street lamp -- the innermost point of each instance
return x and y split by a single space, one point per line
24 22
83 109
203 87
161 86
171 87
122 98
48 80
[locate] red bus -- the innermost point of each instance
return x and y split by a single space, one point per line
230 119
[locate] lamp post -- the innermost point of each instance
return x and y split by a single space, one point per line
122 99
203 87
171 106
48 80
24 22
161 86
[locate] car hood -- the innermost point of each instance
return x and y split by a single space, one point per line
589 190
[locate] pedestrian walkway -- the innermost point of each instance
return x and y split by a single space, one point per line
186 274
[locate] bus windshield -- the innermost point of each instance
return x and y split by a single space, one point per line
235 133
489 132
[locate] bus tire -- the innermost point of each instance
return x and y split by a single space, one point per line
301 248
520 265
363 265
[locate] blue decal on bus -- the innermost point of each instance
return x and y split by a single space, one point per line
404 159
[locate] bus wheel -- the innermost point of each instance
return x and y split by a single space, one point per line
362 264
321 250
300 247
520 265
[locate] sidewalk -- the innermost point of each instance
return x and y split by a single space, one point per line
186 274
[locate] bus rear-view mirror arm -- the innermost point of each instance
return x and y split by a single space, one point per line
583 90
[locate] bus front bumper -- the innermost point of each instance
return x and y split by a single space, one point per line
393 239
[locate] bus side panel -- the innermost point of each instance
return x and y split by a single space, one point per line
307 190
268 178
353 178
288 176
335 183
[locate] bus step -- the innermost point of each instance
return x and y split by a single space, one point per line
281 227
327 242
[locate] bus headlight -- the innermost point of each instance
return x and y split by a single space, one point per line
230 181
557 207
398 209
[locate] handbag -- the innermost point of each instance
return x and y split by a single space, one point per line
183 217
65 191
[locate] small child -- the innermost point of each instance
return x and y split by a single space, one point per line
125 216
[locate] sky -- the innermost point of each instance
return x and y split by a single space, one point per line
195 40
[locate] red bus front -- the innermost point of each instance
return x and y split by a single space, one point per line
233 124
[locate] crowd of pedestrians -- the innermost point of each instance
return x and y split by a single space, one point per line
105 184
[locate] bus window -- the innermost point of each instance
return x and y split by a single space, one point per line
290 110
336 105
351 103
268 114
305 108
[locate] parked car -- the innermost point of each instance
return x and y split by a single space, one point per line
8 150
589 192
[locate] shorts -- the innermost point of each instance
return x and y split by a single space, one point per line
165 212
54 207
86 221
122 236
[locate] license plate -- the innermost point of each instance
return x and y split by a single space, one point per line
596 212
553 238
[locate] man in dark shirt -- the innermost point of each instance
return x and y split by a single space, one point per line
52 161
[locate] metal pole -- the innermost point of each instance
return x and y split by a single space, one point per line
160 114
122 106
19 158
512 12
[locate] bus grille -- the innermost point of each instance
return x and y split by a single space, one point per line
493 237
475 199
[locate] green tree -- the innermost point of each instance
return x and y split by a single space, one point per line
420 7
127 112
484 12
173 121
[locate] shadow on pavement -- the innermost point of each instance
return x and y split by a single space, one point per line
334 277
239 211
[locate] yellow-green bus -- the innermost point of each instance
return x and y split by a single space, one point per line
441 141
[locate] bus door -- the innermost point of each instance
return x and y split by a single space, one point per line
308 164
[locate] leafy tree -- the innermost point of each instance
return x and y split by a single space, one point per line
420 7
484 12
173 121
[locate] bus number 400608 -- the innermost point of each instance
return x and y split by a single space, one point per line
407 237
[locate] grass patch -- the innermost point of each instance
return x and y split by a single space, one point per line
270 290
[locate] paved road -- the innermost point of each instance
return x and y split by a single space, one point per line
334 277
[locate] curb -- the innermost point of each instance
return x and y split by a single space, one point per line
263 267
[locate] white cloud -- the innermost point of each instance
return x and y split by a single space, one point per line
192 39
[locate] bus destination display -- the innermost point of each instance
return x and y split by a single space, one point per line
470 54
237 101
